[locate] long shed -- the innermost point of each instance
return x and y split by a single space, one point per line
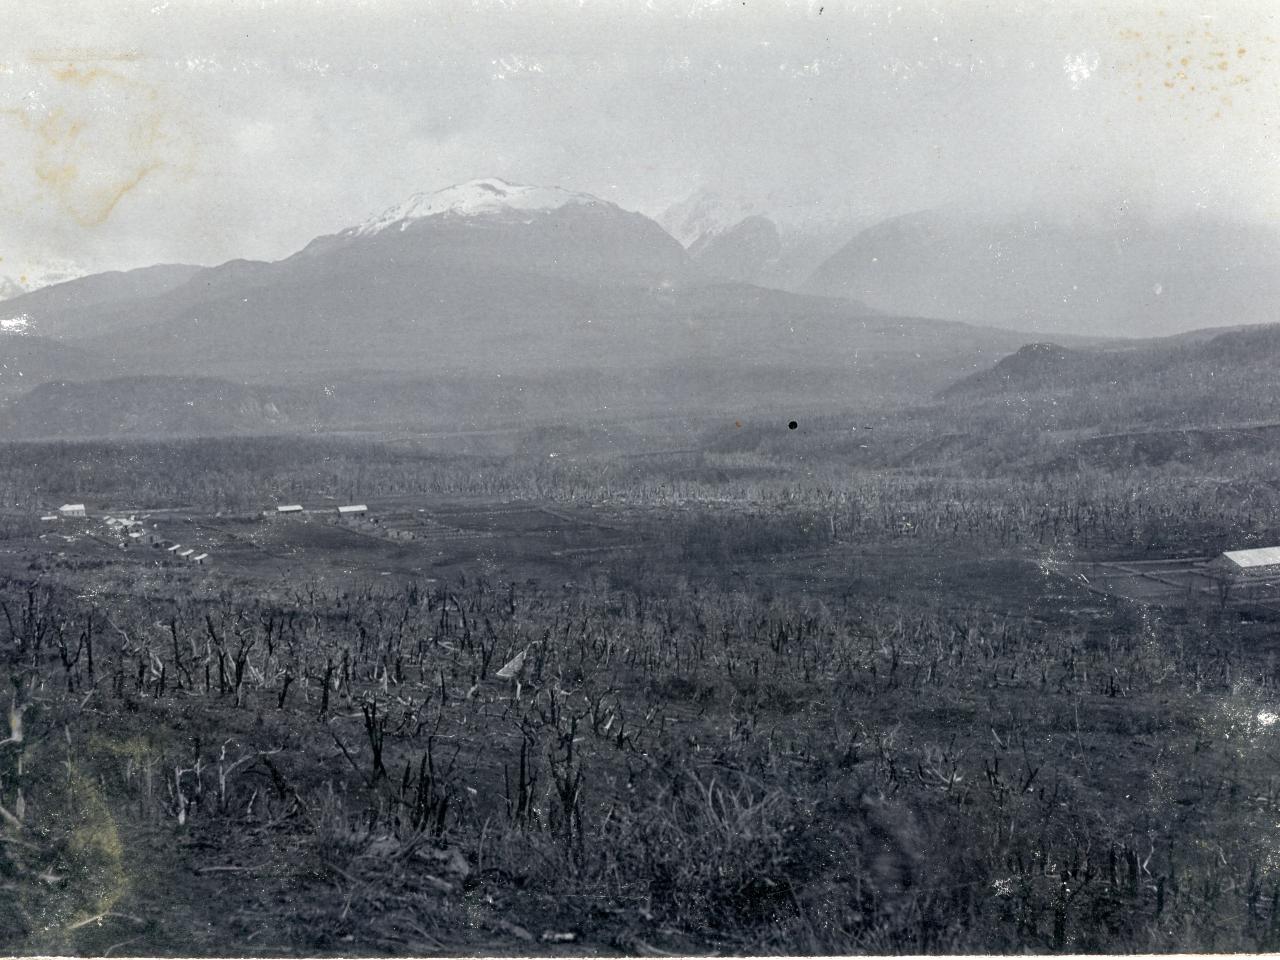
1256 562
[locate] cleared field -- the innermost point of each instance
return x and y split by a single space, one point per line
1176 582
397 538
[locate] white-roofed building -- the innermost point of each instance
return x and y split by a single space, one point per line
72 510
353 508
200 558
1258 562
289 508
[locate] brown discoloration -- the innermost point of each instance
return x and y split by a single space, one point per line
97 132
59 176
1183 54
72 56
109 199
84 76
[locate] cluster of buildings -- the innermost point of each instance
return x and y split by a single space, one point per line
132 532
131 526
181 553
137 534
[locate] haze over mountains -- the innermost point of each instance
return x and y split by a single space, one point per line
588 310
766 242
1124 275
1114 274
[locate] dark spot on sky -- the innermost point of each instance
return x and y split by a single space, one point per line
792 425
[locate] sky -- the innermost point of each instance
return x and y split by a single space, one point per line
201 131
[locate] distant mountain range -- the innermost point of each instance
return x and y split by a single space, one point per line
491 303
759 242
705 213
1116 275
468 286
1126 276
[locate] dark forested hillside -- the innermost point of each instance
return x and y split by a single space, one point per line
1224 379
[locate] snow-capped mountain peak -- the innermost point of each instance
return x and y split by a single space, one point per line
489 197
704 213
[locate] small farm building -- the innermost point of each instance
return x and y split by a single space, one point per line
289 508
50 516
200 558
353 508
175 548
72 510
186 553
1258 562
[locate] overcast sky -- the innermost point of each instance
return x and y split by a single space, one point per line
199 131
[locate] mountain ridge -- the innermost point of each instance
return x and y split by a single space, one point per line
1128 275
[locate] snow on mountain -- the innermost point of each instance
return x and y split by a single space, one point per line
490 197
704 213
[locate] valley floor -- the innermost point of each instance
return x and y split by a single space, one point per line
479 725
